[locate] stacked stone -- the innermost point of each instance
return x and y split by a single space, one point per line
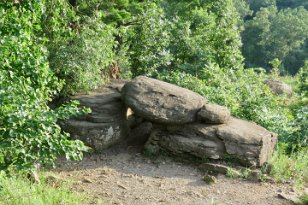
106 124
162 116
183 123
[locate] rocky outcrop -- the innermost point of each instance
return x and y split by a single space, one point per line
168 118
161 102
249 143
106 124
182 123
279 88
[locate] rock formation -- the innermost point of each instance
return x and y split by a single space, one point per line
184 124
106 124
166 117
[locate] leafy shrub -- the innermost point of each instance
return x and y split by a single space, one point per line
149 43
83 61
28 130
203 32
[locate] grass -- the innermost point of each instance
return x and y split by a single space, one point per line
18 190
303 200
291 167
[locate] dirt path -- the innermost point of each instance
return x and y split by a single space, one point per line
124 176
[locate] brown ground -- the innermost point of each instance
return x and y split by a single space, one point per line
123 176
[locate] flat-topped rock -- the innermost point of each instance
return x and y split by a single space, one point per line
161 102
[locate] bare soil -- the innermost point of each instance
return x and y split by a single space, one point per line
122 175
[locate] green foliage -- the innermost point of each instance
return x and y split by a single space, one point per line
116 12
28 130
303 81
298 137
232 173
58 21
303 200
275 71
17 190
275 34
83 61
290 167
243 9
149 44
203 32
283 4
256 5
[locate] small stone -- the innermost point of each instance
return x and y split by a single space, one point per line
87 180
122 186
209 179
290 197
216 168
267 168
255 175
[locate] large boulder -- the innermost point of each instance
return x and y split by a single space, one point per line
247 142
279 87
161 102
106 124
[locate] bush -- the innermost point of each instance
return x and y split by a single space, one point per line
149 42
82 63
28 130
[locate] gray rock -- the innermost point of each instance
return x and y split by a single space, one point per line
255 175
140 133
96 135
247 142
279 87
216 168
195 139
290 197
106 124
214 114
209 179
161 102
